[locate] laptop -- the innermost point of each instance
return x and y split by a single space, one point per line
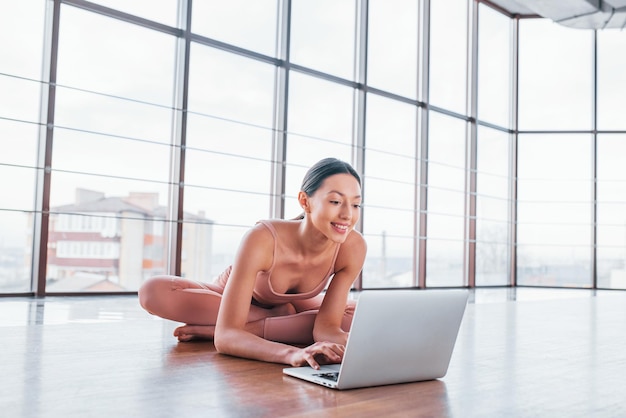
397 336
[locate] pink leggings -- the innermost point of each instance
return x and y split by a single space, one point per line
196 303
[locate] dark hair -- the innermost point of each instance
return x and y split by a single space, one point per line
323 169
320 171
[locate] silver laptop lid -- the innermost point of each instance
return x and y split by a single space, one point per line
401 336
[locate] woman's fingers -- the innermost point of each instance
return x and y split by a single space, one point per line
325 353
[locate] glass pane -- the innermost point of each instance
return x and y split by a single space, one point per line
206 260
105 244
555 76
16 228
21 31
448 54
228 166
390 169
492 207
389 262
554 210
250 24
444 266
15 247
228 137
323 35
109 56
446 149
215 221
390 195
108 202
446 160
390 128
564 266
611 211
446 201
492 260
611 80
162 11
227 195
319 124
93 113
231 87
494 66
392 46
21 43
611 268
19 99
18 142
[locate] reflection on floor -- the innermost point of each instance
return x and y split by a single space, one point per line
523 352
20 311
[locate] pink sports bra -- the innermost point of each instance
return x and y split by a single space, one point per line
263 292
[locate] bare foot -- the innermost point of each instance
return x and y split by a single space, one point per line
194 332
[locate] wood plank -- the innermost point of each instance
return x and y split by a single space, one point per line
104 356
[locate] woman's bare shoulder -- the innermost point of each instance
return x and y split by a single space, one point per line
352 252
256 250
355 240
259 233
282 227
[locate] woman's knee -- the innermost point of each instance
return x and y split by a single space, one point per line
153 290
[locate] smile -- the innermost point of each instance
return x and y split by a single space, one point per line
340 227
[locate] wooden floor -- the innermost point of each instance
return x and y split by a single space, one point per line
520 353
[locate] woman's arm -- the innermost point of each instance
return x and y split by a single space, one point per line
348 265
232 335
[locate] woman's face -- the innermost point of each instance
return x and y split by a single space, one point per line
335 207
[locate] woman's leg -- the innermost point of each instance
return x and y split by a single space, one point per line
181 300
298 328
196 304
315 303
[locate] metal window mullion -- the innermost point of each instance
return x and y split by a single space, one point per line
472 153
422 145
514 121
361 79
179 126
113 13
360 105
281 98
594 168
39 260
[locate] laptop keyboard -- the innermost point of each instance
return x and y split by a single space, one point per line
328 375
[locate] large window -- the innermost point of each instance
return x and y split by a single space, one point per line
319 125
229 156
446 201
393 69
111 152
249 24
494 67
148 136
611 80
448 54
493 208
390 195
555 76
554 209
323 35
611 246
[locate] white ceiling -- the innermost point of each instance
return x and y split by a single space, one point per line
513 6
580 14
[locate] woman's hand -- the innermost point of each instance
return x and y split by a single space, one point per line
318 353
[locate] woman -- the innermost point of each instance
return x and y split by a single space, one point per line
269 304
